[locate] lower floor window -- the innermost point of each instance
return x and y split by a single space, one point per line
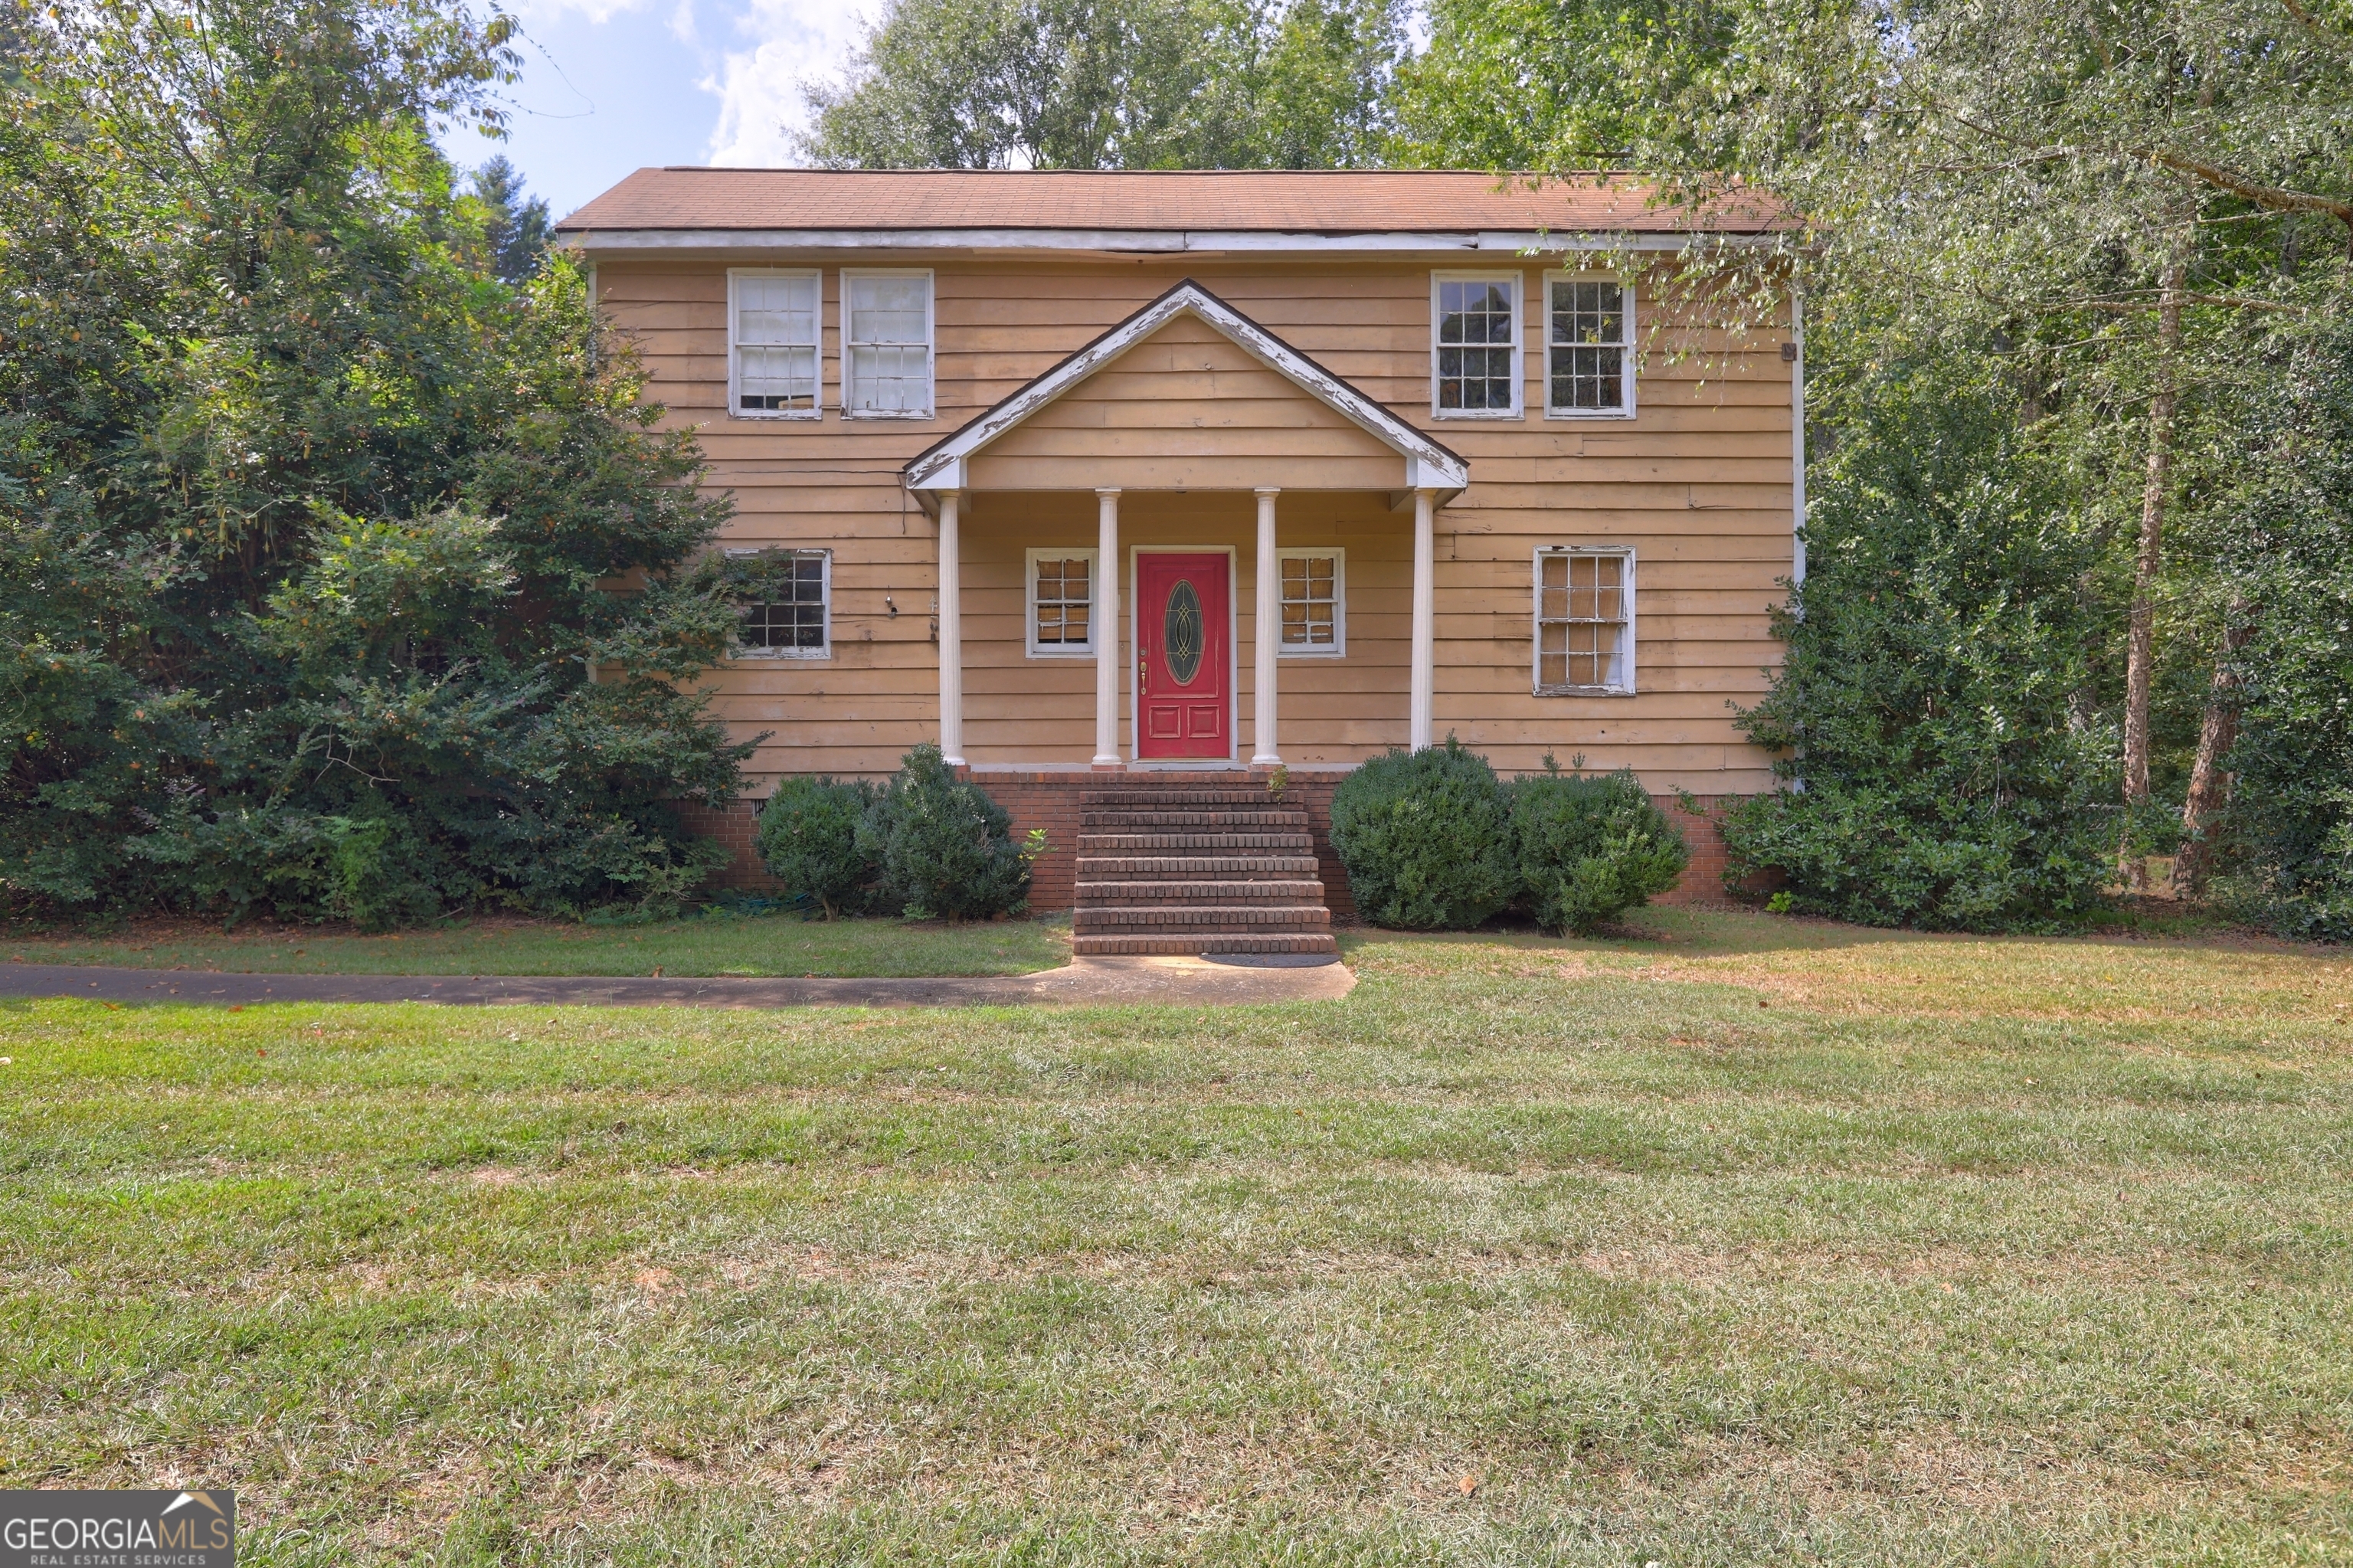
786 602
1062 602
1585 620
1315 602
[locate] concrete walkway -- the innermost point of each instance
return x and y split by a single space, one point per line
1087 982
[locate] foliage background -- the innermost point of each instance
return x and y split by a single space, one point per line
335 569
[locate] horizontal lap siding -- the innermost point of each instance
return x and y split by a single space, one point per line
1698 484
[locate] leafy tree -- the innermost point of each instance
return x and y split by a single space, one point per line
1100 84
514 229
309 528
1520 85
2134 194
2284 535
1932 653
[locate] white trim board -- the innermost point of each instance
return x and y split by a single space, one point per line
1428 465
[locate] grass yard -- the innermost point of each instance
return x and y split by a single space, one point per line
1761 1242
714 944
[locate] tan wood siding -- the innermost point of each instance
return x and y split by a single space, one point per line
1697 484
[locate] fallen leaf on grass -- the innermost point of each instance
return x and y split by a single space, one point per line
1469 1485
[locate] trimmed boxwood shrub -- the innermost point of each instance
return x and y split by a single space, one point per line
1426 837
942 849
808 841
1591 848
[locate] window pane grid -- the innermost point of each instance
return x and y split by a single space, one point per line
1065 599
775 343
1311 601
1474 346
889 338
792 614
1587 345
1582 606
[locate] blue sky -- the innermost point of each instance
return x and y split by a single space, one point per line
613 85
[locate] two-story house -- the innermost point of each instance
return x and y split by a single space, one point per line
1165 481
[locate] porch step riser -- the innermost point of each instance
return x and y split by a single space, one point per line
1091 844
1264 919
1095 895
1198 868
1178 800
1115 947
1176 822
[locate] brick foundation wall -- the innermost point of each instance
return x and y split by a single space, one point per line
736 828
1048 797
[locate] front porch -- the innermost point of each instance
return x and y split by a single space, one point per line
1130 515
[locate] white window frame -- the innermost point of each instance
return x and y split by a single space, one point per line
1519 288
824 651
1626 371
1339 558
1625 685
735 409
930 345
1029 560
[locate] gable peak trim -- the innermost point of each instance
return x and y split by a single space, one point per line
1429 464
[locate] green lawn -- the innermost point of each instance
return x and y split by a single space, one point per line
1762 1242
713 944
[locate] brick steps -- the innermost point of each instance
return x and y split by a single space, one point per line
1200 869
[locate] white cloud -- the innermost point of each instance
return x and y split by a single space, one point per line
758 88
548 12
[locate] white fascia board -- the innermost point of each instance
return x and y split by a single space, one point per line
1125 242
1428 464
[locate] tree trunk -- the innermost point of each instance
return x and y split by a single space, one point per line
2141 644
2210 787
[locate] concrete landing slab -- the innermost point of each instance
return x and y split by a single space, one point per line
1083 982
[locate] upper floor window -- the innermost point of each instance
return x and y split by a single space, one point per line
772 348
1062 602
785 603
1475 345
1585 621
1314 603
886 353
1589 348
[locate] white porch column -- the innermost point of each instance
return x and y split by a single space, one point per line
1425 617
1106 629
951 632
1270 634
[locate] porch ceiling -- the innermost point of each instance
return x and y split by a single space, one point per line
1188 394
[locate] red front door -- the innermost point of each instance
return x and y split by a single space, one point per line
1184 667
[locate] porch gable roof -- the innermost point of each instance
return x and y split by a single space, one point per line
1429 465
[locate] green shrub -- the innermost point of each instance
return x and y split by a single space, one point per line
1591 848
808 841
944 849
1427 839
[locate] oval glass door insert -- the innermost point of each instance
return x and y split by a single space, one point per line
1181 633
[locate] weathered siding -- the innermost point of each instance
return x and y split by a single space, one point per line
1698 484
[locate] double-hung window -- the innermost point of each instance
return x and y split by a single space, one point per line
886 345
1589 348
1314 604
786 610
1475 345
1061 603
772 345
1585 621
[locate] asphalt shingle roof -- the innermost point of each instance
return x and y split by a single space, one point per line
1236 201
